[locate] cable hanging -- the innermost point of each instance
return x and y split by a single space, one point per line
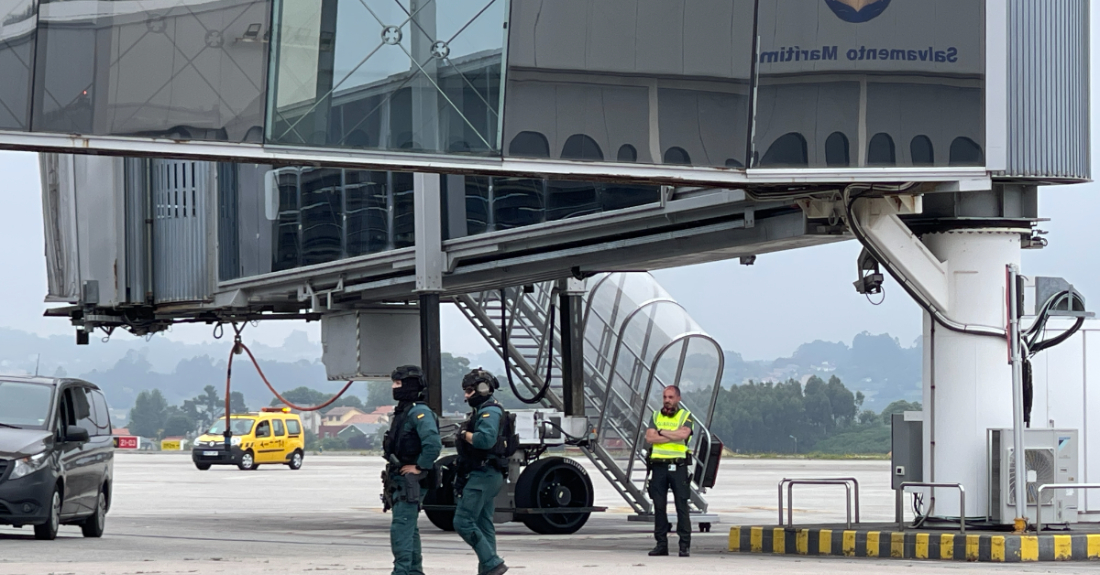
238 348
505 328
906 284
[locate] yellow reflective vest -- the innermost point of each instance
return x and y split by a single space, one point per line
671 449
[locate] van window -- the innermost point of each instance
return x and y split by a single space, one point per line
278 427
25 405
263 429
65 413
238 425
292 427
81 404
100 415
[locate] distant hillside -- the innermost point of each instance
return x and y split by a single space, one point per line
877 365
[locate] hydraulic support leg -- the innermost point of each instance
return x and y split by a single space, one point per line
429 280
572 346
430 351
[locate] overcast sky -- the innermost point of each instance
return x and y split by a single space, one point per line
762 311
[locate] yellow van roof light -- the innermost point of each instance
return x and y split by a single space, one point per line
275 409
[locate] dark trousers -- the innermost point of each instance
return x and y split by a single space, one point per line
474 516
660 481
404 534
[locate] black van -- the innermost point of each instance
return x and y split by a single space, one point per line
56 455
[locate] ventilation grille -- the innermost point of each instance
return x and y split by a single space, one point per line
1039 464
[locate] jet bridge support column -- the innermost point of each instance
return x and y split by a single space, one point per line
958 274
967 378
429 281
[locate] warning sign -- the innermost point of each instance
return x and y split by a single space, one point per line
126 442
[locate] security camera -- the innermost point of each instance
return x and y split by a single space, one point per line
870 277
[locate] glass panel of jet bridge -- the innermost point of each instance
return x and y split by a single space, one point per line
183 69
18 21
408 75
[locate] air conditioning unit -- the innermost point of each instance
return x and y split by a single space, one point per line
1050 456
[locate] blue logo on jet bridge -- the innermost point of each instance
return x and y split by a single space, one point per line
857 11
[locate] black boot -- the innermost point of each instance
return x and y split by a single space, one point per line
659 551
685 552
498 570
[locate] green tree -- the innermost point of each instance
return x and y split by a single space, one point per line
453 368
762 417
379 392
177 424
308 397
148 414
898 407
333 444
311 441
204 408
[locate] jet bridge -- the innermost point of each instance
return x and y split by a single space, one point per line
577 141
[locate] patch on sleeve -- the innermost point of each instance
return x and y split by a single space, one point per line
421 416
486 415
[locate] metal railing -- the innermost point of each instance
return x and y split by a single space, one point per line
848 482
1054 486
962 500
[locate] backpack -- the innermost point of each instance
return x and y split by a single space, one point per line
507 439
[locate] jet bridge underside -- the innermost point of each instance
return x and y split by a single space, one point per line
640 241
141 244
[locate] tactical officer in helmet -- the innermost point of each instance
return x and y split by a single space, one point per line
480 473
411 447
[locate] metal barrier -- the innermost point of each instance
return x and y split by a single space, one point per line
848 482
1052 486
962 500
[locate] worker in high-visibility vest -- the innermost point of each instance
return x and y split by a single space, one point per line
668 435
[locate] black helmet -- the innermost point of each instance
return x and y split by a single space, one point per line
407 372
480 376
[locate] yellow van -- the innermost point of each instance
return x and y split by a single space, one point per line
273 435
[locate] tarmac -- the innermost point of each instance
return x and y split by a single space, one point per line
169 518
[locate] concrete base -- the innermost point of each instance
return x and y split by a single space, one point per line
868 542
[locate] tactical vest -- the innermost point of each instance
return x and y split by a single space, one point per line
671 449
471 455
402 440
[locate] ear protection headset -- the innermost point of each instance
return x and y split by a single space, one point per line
481 381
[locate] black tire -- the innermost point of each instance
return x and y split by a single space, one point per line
248 461
296 459
202 466
93 526
443 475
48 530
554 482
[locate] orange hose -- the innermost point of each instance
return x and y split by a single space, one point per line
229 377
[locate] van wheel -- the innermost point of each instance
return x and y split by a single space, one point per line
295 461
48 530
248 462
93 526
202 466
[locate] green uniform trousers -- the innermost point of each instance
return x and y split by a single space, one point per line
405 535
474 516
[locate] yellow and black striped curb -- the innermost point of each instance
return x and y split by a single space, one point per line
1000 548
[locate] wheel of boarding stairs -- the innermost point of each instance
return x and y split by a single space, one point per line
441 492
554 483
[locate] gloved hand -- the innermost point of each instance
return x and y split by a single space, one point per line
460 436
